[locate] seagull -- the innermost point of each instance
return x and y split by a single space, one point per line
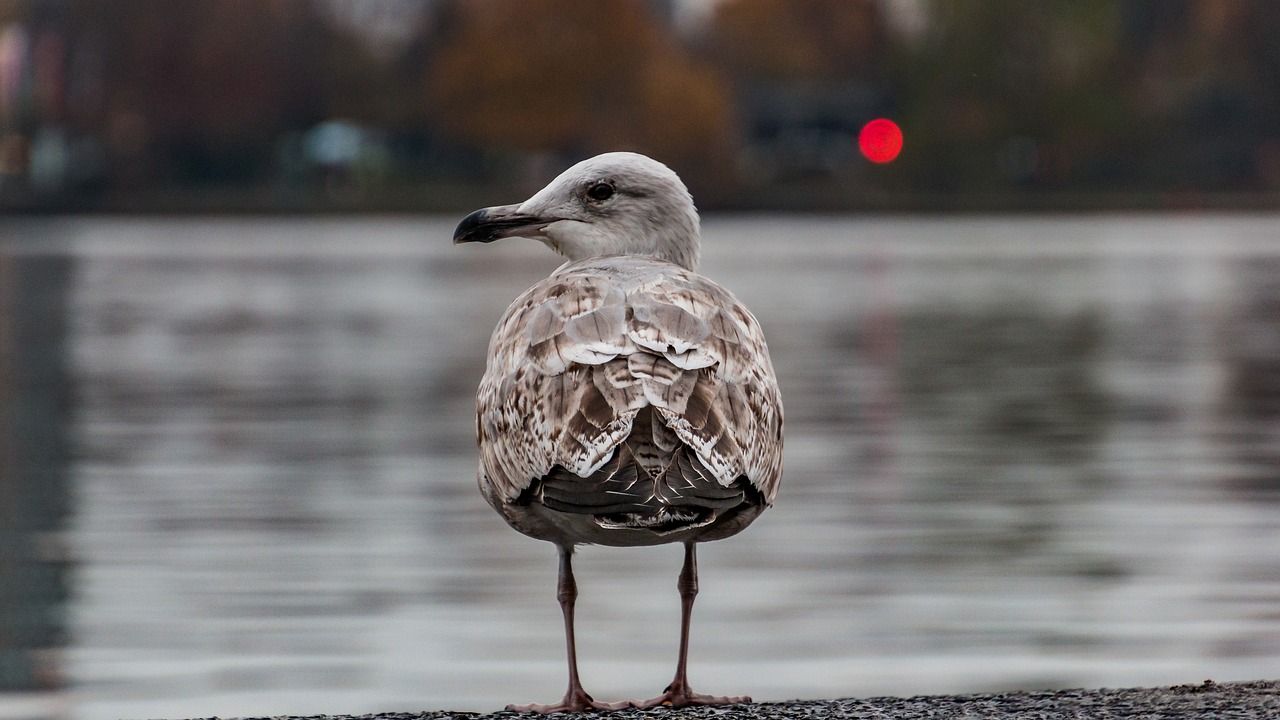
626 399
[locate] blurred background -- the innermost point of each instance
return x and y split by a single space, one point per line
1031 356
145 105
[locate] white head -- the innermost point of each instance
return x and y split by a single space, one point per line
618 203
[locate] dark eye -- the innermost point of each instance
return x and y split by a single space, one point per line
600 191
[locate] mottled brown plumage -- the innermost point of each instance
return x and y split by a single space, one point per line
577 357
626 400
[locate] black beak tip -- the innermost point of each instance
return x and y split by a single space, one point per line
489 224
475 228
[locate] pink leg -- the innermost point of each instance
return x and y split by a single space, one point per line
678 693
575 698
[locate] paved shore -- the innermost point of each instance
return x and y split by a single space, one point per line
1220 701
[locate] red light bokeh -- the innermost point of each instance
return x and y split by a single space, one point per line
880 140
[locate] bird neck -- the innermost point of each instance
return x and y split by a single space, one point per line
676 238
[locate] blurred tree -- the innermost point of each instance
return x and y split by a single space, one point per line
12 10
1139 96
807 75
685 111
799 40
1202 97
206 84
371 60
579 78
1007 93
213 67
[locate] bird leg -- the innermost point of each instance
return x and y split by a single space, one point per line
678 693
575 698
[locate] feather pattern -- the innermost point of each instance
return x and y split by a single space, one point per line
628 372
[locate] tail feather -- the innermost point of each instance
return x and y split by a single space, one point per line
624 494
615 488
688 482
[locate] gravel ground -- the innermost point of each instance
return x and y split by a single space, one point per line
1221 701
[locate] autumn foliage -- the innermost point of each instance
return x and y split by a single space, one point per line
538 75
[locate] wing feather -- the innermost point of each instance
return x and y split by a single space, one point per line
577 356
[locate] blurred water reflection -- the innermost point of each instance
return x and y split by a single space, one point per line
1021 453
35 427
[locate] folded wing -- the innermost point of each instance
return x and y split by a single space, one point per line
620 384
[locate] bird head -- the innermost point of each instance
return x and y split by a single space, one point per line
619 203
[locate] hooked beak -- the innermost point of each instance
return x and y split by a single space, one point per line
494 223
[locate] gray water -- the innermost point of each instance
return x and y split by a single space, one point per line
1021 453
